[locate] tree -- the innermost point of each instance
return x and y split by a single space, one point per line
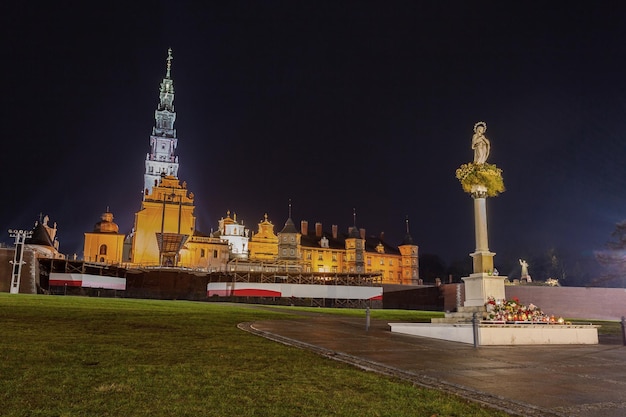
431 267
460 268
555 267
613 258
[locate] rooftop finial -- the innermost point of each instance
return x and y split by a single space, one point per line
407 224
354 216
169 62
290 208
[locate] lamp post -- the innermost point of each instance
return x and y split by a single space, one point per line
17 262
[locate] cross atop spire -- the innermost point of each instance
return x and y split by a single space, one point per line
169 62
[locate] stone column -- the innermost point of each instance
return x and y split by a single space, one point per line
482 284
483 258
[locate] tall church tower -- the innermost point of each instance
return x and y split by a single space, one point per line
161 159
166 221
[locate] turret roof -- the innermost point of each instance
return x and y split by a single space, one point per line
289 227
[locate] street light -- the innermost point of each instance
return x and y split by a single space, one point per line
17 262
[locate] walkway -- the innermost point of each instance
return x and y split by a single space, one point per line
563 380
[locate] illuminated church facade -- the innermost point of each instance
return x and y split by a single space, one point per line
164 233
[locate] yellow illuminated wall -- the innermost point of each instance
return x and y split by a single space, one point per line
205 253
168 208
104 244
395 268
324 260
263 245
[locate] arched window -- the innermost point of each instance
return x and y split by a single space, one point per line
103 249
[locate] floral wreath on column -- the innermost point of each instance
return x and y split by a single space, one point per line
487 175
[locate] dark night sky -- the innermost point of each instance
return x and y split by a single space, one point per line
334 105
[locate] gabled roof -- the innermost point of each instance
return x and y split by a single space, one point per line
371 242
312 241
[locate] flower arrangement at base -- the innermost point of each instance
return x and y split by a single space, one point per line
486 175
514 311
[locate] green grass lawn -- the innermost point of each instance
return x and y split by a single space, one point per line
80 356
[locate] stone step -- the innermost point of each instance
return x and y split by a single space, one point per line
463 315
471 309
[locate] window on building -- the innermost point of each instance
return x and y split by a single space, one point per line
320 257
215 253
103 249
390 262
382 261
369 261
334 257
202 253
308 256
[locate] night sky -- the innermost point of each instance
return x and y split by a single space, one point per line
335 106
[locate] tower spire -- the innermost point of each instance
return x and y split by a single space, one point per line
408 240
169 62
162 159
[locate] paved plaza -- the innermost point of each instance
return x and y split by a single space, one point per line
548 380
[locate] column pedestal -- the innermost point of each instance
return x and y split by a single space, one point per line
480 286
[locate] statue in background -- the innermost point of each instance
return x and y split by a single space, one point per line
525 276
480 143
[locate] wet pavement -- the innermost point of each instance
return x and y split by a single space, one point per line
547 380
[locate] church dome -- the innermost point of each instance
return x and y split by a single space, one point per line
106 225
